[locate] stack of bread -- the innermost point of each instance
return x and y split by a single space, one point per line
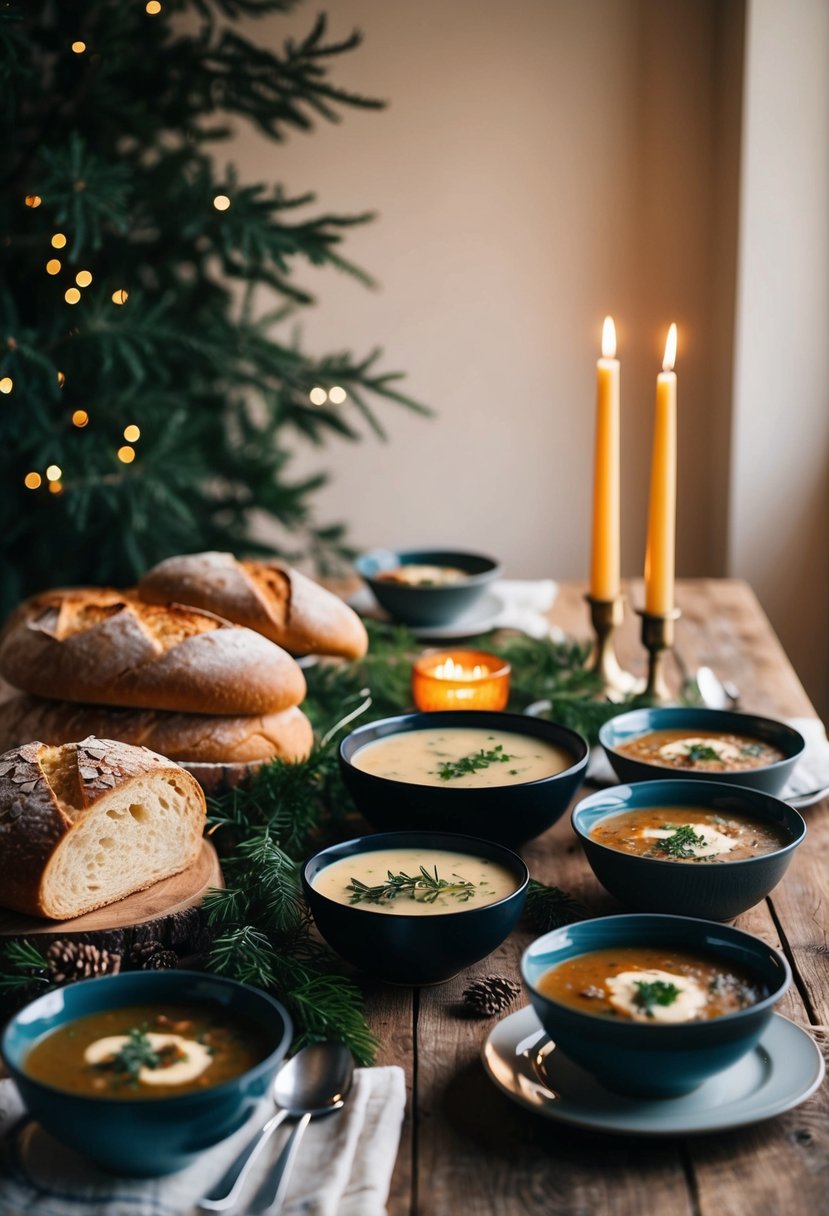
194 663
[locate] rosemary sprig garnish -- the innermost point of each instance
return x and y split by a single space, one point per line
654 992
681 843
701 751
426 888
473 762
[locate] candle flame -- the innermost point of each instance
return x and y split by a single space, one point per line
608 339
670 350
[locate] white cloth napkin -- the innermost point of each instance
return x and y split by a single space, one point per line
520 604
344 1165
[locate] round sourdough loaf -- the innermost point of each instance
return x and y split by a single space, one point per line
88 823
186 738
98 645
268 596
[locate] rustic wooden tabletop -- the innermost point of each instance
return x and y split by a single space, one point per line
468 1148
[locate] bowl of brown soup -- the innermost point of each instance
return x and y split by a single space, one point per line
653 1005
140 1072
700 744
691 848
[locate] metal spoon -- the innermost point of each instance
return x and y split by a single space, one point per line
316 1079
318 1087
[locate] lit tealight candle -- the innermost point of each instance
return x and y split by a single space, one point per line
460 679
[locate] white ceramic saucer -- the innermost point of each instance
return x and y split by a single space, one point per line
782 1071
478 619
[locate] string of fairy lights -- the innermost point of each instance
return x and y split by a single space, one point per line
52 477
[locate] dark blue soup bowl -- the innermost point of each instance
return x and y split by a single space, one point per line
508 814
714 890
427 605
655 1061
150 1136
771 778
415 949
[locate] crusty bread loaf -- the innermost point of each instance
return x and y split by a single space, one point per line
185 738
267 596
86 824
97 645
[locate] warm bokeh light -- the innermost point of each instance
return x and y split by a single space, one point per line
6 384
131 433
53 266
126 454
152 7
58 240
120 296
608 339
33 200
670 350
318 396
33 481
79 47
54 472
337 395
221 202
72 295
61 379
83 278
80 418
55 487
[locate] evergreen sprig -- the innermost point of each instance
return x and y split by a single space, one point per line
22 965
548 907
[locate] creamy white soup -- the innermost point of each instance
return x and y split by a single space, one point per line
415 882
462 756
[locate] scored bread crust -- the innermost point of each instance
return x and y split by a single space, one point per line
268 596
220 739
48 794
99 645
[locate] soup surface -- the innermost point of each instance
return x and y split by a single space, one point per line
414 575
701 751
649 984
462 756
419 882
688 833
142 1051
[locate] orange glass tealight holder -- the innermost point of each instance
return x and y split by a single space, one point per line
460 679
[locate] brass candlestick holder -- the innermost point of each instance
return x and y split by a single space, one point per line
606 616
657 637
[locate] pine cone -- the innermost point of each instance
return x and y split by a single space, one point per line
491 995
70 961
162 960
152 955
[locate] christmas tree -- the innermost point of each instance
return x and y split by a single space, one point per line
152 382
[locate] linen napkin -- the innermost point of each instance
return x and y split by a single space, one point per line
520 604
343 1168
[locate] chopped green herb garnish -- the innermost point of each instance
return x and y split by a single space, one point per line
654 992
137 1053
681 843
425 887
752 749
474 762
701 751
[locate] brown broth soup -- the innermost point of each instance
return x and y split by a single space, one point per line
704 751
143 1051
689 833
646 984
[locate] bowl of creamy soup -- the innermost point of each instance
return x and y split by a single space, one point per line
702 745
694 848
142 1071
503 776
653 1005
424 587
415 907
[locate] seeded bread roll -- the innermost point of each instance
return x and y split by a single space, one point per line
97 645
185 738
268 596
86 824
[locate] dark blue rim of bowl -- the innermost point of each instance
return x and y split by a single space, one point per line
750 940
674 714
177 975
515 724
412 839
691 791
410 556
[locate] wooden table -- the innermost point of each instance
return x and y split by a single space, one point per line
468 1148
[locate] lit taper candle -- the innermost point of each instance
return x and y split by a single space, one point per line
604 557
660 550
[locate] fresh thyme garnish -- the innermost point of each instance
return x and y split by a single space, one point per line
654 992
681 843
701 751
137 1053
473 762
424 887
